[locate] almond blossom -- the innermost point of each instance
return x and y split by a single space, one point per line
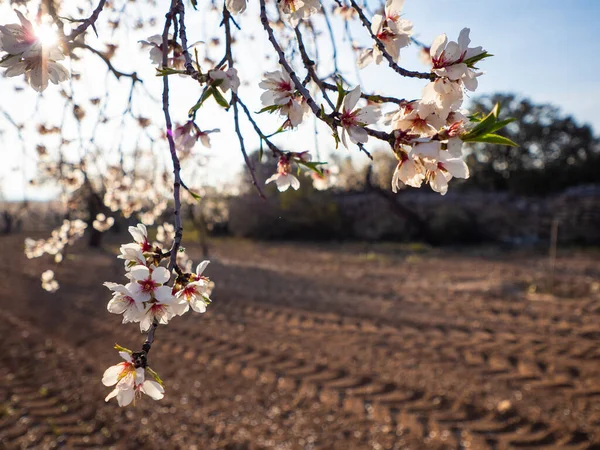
449 58
176 59
416 118
188 134
442 170
130 382
284 178
354 120
281 93
293 11
16 39
29 56
149 283
123 302
392 31
451 64
409 171
226 79
196 293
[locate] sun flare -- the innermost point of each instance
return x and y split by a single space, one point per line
46 35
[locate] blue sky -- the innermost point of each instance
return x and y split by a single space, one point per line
547 50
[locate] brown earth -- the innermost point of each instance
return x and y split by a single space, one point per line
314 347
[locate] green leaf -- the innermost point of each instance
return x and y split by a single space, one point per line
219 97
193 194
475 59
195 4
205 94
166 71
313 165
341 94
269 109
491 138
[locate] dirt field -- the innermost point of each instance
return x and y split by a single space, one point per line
314 347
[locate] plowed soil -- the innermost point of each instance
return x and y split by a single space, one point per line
314 347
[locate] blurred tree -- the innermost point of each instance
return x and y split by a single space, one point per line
554 151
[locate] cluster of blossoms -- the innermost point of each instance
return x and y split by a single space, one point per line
428 131
130 195
69 232
149 300
31 52
103 223
48 282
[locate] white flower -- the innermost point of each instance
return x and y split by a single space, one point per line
284 181
292 11
16 39
125 376
38 68
446 95
48 281
148 284
229 79
130 382
283 178
409 171
196 293
161 311
448 57
176 60
29 56
353 120
123 302
416 118
236 6
280 92
279 88
392 31
188 134
442 170
132 253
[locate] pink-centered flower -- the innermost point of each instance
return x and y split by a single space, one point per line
353 120
130 382
148 284
196 293
123 302
409 171
392 31
284 178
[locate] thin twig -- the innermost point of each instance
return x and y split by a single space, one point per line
310 67
176 165
117 73
189 66
90 21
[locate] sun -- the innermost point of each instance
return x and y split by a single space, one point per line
46 35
